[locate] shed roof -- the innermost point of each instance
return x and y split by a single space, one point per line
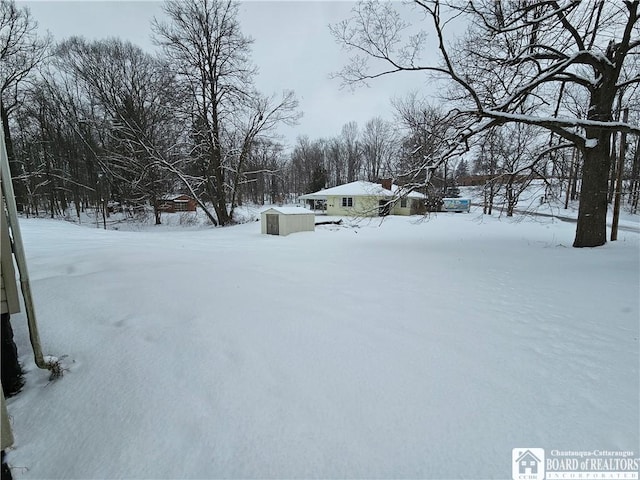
360 189
290 210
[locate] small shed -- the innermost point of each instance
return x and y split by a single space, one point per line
285 220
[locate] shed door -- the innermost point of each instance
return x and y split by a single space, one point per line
272 224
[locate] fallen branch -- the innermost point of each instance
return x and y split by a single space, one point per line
329 222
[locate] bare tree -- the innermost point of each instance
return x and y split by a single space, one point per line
516 53
21 50
334 162
379 148
352 150
264 175
261 117
511 157
209 53
58 123
425 128
307 168
136 96
487 164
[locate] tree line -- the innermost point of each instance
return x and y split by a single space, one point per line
502 162
534 90
89 122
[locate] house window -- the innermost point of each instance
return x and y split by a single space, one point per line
347 201
403 202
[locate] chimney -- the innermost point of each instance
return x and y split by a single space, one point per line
386 183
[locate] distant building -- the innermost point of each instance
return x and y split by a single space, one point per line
176 203
367 199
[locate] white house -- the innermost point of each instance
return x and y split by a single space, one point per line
367 199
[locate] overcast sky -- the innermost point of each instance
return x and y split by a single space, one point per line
293 49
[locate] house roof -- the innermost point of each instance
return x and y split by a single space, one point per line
176 196
290 210
359 189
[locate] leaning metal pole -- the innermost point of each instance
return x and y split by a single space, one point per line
18 250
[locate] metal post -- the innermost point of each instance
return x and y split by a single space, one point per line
18 250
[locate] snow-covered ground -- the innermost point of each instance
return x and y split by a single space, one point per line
407 349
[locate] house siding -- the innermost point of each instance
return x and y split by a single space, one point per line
182 203
8 285
369 207
362 206
412 208
398 210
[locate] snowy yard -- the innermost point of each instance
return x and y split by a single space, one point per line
403 350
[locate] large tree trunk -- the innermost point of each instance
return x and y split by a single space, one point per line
512 198
592 212
217 194
216 172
